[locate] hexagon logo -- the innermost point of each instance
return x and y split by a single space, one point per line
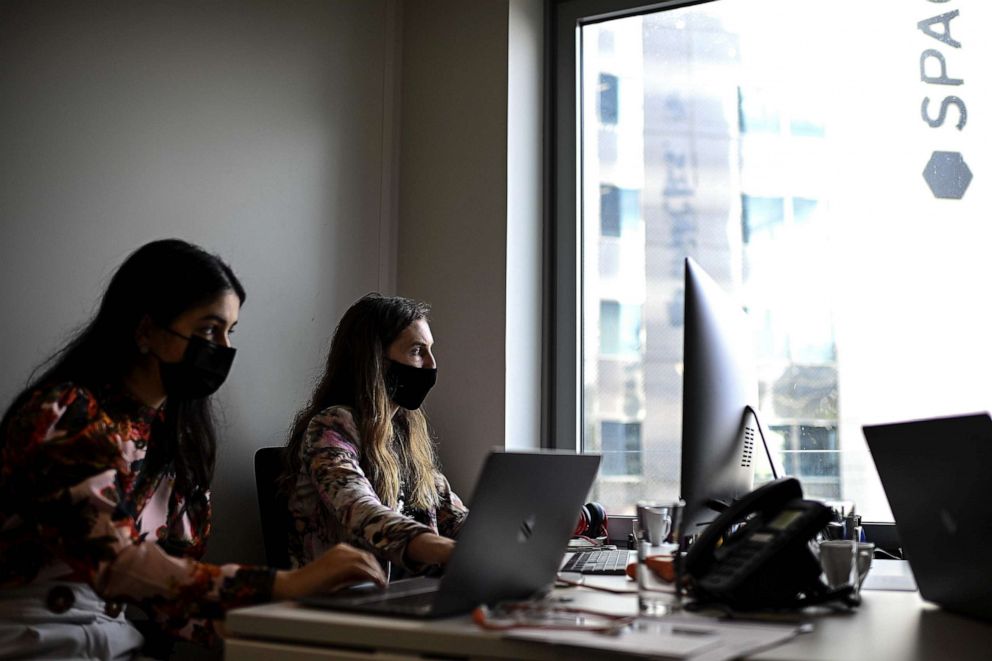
947 175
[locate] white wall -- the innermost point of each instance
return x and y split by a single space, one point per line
260 130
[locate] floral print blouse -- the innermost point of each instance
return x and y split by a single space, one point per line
78 505
333 501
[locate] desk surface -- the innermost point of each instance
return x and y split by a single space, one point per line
888 625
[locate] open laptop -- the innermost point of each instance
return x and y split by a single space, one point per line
935 473
522 515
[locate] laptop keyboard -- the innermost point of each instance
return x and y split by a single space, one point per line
598 562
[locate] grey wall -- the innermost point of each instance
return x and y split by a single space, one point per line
524 225
325 149
452 214
260 130
470 71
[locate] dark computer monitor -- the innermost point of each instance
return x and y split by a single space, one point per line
719 387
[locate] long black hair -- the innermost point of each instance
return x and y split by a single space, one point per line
160 280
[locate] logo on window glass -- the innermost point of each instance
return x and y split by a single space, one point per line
947 175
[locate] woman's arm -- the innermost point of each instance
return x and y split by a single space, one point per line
330 455
64 464
451 512
341 565
430 549
67 465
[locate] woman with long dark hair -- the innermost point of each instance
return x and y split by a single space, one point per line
361 466
106 460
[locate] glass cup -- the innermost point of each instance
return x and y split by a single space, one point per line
845 562
657 531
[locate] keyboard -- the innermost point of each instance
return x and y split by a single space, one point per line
598 562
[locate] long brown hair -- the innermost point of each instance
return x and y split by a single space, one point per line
390 446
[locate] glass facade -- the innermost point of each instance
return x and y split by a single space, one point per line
802 184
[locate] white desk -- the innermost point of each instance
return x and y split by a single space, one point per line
896 626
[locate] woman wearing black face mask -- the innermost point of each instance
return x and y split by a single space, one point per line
361 464
105 468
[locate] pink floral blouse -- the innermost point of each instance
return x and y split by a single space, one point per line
78 505
333 501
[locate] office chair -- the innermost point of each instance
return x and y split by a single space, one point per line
272 506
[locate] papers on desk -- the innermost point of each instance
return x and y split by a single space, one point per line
674 637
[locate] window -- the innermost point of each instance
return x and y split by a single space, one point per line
609 99
619 210
609 210
620 329
836 192
760 215
758 112
810 453
621 448
802 209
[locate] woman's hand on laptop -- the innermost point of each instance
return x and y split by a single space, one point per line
340 566
430 549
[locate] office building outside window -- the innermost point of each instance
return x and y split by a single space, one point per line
833 191
608 98
621 448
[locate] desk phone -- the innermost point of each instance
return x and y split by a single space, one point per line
756 553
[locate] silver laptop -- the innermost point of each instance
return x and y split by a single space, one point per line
523 512
935 473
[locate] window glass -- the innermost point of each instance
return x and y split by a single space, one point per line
620 328
609 210
802 209
608 98
825 163
810 453
621 448
619 210
761 215
758 111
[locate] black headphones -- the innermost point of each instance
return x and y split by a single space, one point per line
592 521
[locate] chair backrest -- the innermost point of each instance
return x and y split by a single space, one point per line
272 506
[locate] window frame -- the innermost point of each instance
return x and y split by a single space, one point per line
562 391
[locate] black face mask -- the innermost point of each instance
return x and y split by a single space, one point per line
407 385
201 371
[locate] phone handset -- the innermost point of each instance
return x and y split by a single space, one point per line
768 498
756 554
